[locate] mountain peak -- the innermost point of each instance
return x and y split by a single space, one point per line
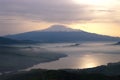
59 28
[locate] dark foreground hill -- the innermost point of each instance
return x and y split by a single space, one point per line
60 33
97 73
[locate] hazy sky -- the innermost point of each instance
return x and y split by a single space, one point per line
96 16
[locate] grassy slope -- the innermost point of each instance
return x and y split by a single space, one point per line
57 75
108 72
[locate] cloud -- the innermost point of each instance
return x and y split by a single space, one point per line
52 11
16 14
45 10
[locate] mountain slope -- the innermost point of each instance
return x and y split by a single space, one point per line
59 33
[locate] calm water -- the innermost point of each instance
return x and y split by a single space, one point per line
85 55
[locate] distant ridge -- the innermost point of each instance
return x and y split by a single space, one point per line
4 40
61 33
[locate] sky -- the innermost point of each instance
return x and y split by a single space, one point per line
96 16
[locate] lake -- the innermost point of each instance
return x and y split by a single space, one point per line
81 55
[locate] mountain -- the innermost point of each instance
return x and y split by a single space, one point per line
60 33
59 28
4 40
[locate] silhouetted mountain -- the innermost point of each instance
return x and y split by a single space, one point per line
4 40
60 33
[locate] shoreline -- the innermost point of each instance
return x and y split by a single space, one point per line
15 59
30 68
26 68
110 71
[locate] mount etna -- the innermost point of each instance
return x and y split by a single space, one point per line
61 33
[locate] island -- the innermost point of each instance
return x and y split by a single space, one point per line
118 43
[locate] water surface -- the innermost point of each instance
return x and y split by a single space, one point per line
85 55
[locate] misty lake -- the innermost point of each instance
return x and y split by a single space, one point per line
81 55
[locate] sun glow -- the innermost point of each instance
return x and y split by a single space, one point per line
94 2
89 61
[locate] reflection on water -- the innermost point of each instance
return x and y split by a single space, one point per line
84 56
89 61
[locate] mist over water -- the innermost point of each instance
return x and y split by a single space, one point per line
84 55
45 55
